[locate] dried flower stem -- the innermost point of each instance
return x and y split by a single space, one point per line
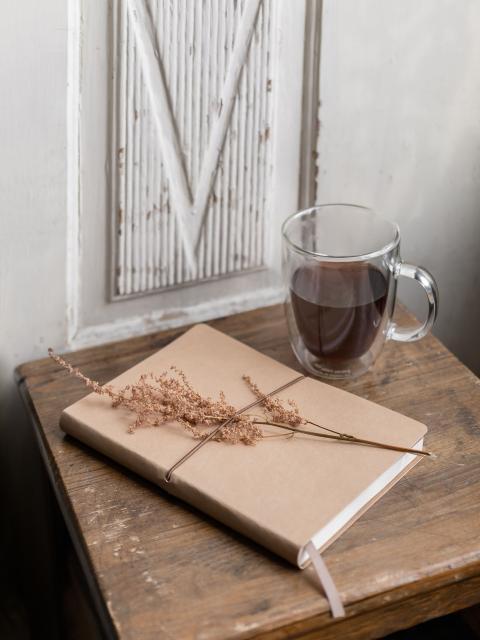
346 438
291 421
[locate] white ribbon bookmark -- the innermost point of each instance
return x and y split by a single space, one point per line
326 581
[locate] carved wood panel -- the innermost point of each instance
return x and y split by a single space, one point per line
191 120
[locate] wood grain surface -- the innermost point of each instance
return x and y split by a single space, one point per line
161 569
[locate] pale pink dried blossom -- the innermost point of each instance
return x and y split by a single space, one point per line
159 399
275 409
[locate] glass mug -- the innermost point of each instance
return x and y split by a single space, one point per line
341 263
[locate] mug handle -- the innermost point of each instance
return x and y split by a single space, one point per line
427 281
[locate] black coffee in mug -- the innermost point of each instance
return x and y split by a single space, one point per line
341 263
338 308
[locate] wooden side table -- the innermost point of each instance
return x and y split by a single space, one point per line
159 569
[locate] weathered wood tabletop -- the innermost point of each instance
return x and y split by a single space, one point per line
161 569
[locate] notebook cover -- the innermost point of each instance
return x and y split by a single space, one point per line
279 492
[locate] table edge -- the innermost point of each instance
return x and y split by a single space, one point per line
108 628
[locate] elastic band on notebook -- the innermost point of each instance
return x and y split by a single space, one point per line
212 434
326 581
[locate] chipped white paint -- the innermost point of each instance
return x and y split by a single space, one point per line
192 143
174 317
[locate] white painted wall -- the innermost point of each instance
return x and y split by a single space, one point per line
400 132
33 185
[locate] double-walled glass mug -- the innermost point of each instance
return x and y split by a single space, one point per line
341 263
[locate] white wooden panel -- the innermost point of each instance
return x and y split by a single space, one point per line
228 147
192 144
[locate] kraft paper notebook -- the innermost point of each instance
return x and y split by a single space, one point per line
282 493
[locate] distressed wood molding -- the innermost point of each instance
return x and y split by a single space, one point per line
232 96
192 122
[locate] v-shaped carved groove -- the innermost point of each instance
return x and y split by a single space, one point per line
190 214
164 118
218 134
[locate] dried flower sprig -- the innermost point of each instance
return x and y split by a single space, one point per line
159 399
275 409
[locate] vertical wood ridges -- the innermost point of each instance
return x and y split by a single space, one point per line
195 42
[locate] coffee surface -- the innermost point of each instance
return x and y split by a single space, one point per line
338 308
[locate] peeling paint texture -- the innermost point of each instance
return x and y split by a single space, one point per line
192 147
